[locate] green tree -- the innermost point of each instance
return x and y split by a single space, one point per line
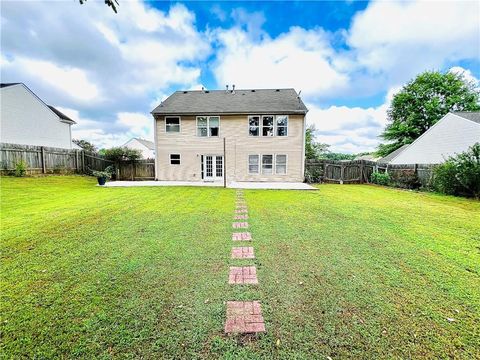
313 149
422 102
85 145
111 3
117 154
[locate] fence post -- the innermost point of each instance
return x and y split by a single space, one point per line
76 161
83 161
133 169
342 171
44 167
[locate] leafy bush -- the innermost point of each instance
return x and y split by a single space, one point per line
20 168
405 179
460 175
313 174
107 173
118 154
380 178
444 179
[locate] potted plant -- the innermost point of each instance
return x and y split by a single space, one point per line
102 176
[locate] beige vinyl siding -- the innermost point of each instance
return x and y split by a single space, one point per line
238 146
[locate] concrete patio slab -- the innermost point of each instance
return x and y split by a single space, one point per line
232 185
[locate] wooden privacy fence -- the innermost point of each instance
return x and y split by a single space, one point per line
360 171
143 169
48 160
333 171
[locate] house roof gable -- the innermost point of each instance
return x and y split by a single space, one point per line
241 101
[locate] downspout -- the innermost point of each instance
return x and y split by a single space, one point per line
224 163
155 146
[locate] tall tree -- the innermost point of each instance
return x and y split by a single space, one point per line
111 3
313 149
422 102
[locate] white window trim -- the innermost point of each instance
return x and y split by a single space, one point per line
170 159
259 164
208 125
273 163
286 163
179 124
275 125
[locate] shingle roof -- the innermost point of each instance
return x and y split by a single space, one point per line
393 154
246 101
149 144
2 85
469 115
61 115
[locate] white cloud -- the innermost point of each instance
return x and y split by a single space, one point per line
348 129
407 36
299 58
72 81
467 74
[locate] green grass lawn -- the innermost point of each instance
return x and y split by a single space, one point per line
349 271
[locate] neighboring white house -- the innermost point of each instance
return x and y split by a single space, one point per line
452 134
25 119
145 146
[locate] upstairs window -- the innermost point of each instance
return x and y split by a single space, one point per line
208 126
282 125
254 125
172 124
267 125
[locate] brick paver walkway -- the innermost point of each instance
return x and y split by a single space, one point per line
243 275
240 225
245 236
244 317
243 252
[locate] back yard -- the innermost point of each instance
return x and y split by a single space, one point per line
350 271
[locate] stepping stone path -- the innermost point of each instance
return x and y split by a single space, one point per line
243 275
245 236
238 225
243 316
243 252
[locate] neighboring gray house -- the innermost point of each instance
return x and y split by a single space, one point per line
393 154
145 146
25 119
230 135
452 134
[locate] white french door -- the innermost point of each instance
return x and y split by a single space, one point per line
213 167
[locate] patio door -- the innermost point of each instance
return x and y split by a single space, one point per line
213 167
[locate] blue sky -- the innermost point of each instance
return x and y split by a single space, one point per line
109 70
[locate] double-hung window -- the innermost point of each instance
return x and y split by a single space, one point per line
253 164
172 124
281 121
267 125
208 126
280 164
267 164
254 125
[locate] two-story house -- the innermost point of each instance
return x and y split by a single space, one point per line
231 135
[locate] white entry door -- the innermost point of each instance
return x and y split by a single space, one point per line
213 167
